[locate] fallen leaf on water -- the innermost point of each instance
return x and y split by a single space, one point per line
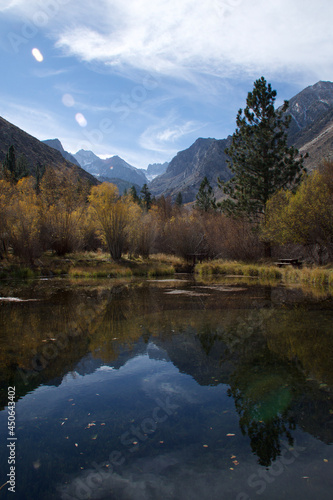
230 435
325 460
95 436
235 462
205 445
76 445
90 425
233 456
231 468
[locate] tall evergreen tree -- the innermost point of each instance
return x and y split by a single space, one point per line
146 197
179 199
134 194
9 165
261 160
205 199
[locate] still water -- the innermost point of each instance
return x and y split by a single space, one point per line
166 389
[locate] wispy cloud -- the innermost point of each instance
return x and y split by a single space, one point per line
182 38
167 132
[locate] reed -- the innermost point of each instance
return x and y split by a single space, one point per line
289 274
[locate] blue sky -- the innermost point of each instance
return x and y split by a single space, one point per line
144 79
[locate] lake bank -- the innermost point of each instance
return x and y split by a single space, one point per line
99 265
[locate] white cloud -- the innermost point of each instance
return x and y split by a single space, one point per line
180 38
167 131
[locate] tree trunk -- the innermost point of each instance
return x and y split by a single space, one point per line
267 249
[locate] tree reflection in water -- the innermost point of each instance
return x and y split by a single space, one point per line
263 395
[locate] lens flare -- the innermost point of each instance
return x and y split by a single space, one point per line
37 55
68 100
81 119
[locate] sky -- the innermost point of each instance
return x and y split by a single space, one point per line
144 79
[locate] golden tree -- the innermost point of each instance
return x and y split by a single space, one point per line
24 224
114 216
62 205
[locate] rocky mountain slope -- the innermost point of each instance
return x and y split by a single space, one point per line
56 144
35 151
311 126
110 169
206 157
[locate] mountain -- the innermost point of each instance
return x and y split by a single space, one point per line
311 126
110 169
56 144
35 151
155 169
206 157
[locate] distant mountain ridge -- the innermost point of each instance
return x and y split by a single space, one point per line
155 169
110 169
56 144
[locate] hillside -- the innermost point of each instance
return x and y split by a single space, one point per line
311 126
35 151
186 170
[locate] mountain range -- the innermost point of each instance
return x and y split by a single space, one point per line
310 130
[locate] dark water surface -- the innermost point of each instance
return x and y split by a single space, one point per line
149 390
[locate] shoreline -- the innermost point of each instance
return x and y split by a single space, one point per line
99 265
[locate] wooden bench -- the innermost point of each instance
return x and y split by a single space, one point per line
289 262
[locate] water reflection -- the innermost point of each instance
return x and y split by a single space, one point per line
270 347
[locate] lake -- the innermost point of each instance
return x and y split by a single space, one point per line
166 389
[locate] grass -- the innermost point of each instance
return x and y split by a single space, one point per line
99 265
316 276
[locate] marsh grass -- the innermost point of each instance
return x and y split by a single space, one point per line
316 276
99 265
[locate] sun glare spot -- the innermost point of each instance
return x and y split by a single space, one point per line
37 55
81 119
68 100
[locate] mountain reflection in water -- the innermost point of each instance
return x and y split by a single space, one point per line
270 347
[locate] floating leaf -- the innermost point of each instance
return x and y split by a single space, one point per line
230 435
76 445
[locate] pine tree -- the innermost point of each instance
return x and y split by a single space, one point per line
134 194
261 161
205 199
9 165
179 199
22 167
146 197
